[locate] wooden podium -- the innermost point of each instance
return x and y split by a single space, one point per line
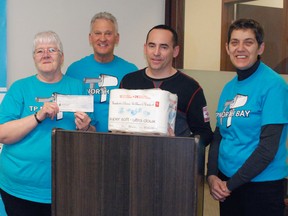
108 174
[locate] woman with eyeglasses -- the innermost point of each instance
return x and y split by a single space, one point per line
27 117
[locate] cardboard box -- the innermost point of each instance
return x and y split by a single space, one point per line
149 111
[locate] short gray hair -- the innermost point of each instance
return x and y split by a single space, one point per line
104 15
47 37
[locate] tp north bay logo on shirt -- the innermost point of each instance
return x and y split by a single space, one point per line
230 111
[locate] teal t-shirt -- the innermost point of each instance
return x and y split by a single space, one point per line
25 166
244 107
100 79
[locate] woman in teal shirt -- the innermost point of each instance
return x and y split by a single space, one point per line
26 123
247 162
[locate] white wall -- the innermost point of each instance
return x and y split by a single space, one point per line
71 19
202 34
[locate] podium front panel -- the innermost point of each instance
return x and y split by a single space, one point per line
107 174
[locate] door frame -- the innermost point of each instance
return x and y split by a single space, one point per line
175 17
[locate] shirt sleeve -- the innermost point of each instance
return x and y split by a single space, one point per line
198 121
275 101
212 165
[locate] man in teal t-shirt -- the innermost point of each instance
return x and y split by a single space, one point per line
101 71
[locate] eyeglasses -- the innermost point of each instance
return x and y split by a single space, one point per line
51 51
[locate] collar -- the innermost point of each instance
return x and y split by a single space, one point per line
244 74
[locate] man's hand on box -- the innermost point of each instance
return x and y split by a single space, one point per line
170 131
